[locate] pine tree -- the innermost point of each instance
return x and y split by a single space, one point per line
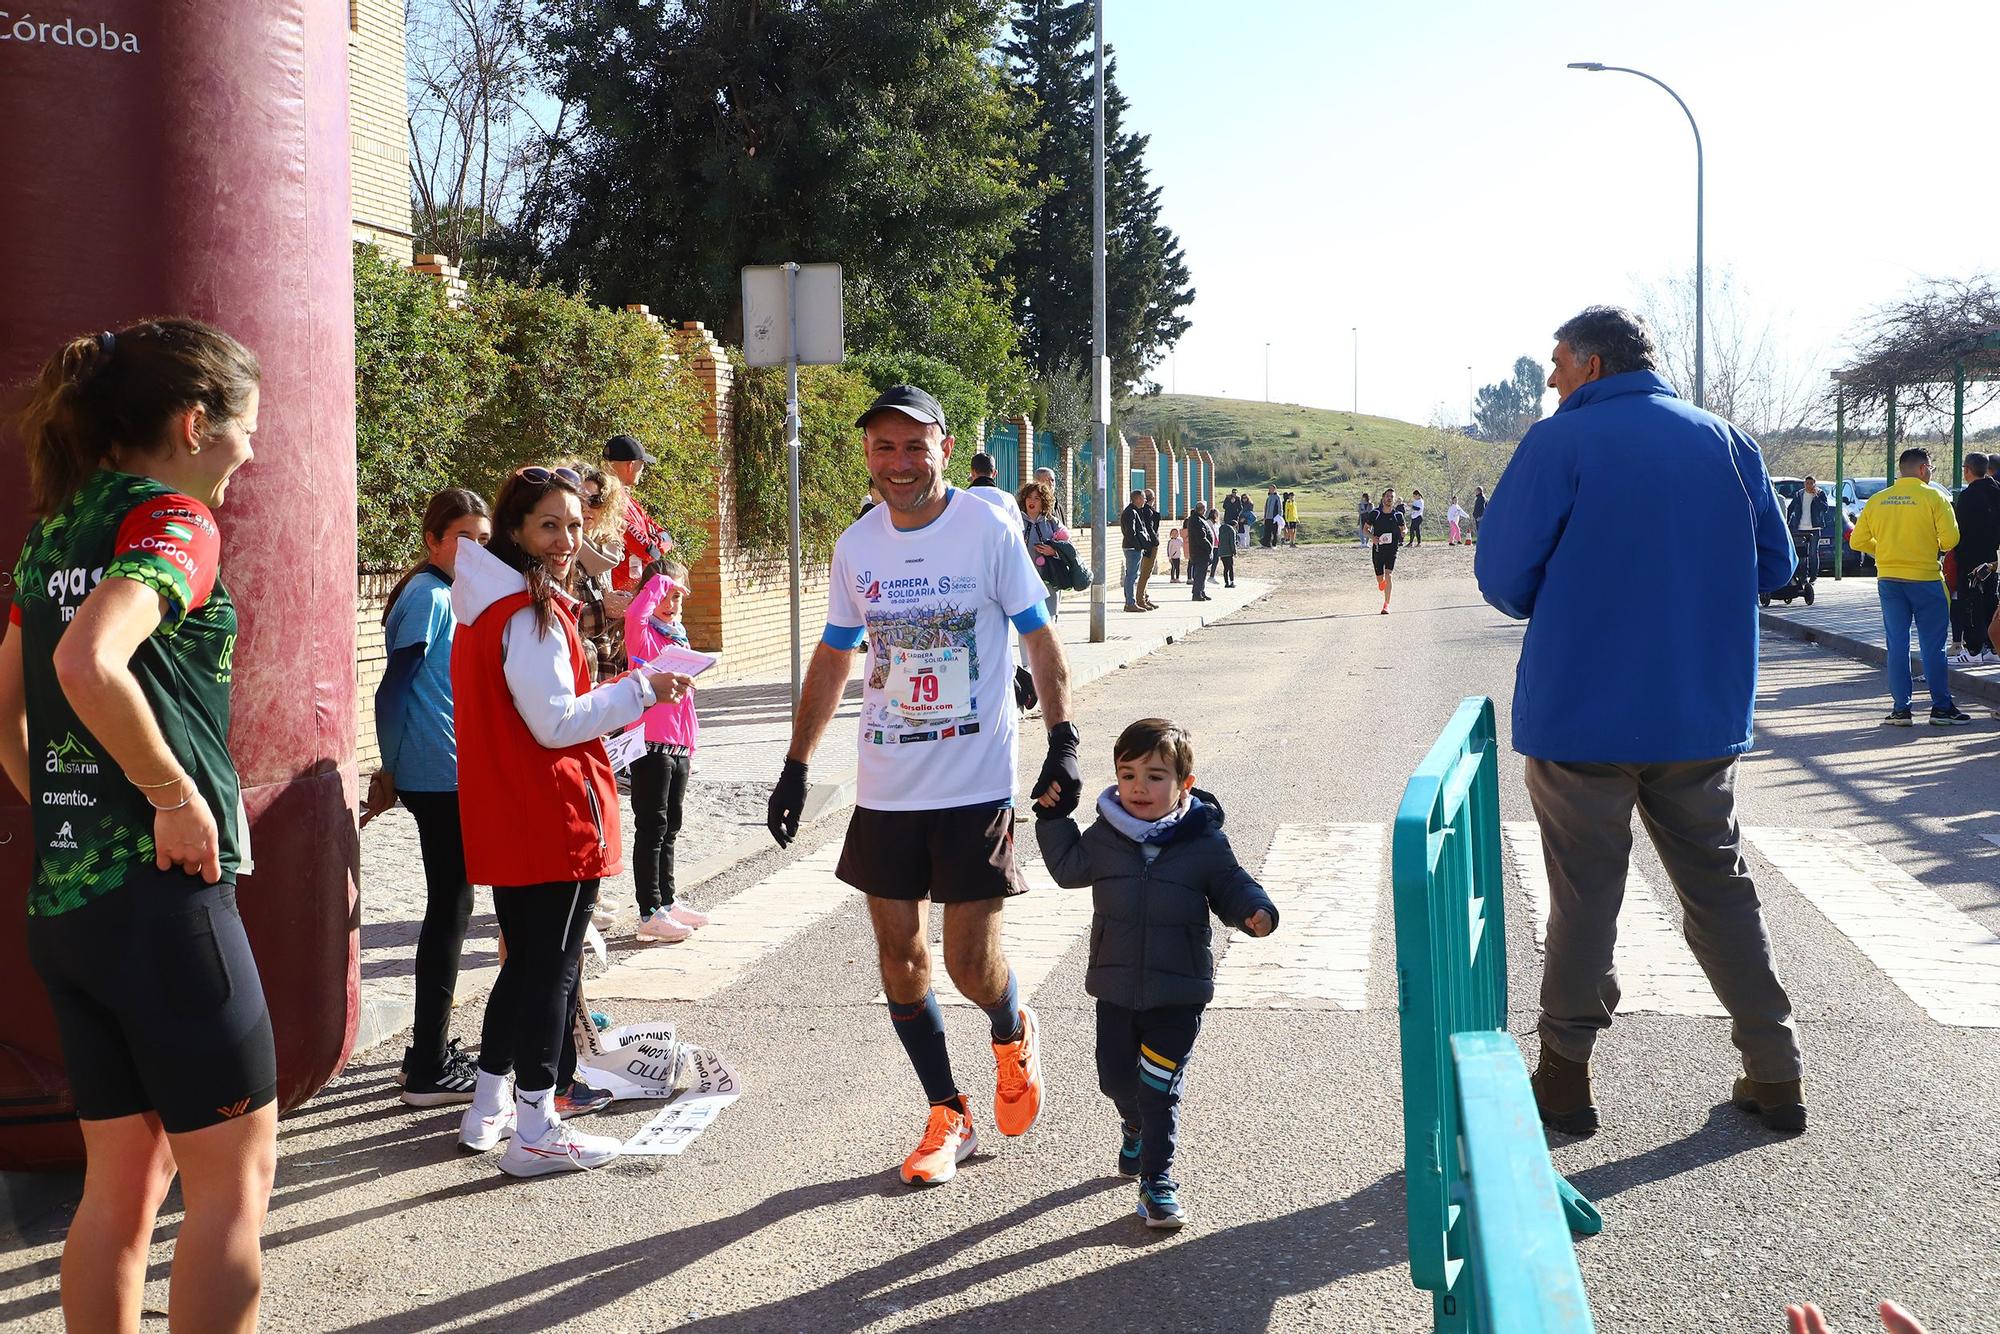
1049 61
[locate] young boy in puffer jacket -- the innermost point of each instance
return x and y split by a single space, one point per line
1157 863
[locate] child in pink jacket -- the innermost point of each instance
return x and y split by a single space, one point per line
660 776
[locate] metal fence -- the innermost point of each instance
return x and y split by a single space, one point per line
1451 982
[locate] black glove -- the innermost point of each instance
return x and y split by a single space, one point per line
788 799
1060 771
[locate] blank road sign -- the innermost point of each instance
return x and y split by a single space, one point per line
767 315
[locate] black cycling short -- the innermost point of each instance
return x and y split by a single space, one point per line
1385 557
958 855
158 1003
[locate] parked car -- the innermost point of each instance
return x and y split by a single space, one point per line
1854 493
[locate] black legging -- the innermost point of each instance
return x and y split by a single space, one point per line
659 785
529 1006
447 907
1416 530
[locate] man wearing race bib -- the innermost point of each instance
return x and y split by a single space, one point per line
931 579
1383 528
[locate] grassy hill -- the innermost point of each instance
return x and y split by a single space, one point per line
1329 457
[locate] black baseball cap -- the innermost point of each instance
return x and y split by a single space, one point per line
624 449
912 402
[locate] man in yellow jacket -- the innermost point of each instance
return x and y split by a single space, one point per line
1907 527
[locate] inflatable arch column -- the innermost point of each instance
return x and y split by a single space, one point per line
190 157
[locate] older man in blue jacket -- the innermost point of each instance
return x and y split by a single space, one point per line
1635 689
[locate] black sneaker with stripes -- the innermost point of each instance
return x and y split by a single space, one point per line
451 1083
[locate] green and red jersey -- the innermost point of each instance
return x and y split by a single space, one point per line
92 827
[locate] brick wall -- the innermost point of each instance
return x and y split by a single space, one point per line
378 125
370 598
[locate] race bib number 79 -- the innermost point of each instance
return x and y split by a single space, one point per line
932 684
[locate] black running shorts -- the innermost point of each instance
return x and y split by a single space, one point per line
958 855
1385 557
158 1003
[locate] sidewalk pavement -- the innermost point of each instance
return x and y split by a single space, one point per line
1847 618
745 729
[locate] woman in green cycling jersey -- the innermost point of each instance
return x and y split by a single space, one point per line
114 722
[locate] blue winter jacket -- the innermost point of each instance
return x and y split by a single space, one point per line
1633 532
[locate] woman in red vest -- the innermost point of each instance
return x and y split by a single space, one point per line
539 806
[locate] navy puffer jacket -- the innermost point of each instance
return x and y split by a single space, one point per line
1149 938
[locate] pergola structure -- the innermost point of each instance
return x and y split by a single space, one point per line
1969 358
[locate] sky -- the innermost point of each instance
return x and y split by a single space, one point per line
1429 174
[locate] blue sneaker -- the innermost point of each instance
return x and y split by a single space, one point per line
580 1099
1128 1151
1160 1202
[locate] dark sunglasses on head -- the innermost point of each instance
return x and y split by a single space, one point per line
541 476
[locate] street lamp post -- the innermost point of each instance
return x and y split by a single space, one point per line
1595 67
1471 399
1267 372
1100 369
1356 331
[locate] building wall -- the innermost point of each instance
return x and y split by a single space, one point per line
378 125
370 600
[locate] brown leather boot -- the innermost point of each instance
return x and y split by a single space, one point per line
1562 1094
1781 1106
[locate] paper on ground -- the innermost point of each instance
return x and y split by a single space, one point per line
678 1125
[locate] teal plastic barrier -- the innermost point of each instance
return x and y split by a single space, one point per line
1451 978
1524 1274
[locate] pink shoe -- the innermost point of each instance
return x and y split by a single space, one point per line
662 927
687 916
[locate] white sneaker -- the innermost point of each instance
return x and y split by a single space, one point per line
561 1150
687 916
1989 658
662 927
603 918
477 1133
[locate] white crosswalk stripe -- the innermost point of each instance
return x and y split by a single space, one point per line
1656 972
1941 958
1326 880
770 914
1329 879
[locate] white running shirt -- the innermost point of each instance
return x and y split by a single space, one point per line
1000 499
937 702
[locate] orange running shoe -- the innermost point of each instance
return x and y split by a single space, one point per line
1381 584
948 1141
1017 1091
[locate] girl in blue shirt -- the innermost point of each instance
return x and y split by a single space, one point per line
413 726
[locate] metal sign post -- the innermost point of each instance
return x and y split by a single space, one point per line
792 314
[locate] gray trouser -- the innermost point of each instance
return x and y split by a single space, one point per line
1585 811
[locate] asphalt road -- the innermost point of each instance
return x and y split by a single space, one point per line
1307 708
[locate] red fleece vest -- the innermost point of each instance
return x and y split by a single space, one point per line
531 815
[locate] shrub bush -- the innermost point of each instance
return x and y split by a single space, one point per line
420 372
573 374
833 479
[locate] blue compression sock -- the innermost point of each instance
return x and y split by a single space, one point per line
920 1027
1005 1013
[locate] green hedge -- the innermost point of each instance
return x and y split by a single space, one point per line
833 479
520 374
420 372
833 475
